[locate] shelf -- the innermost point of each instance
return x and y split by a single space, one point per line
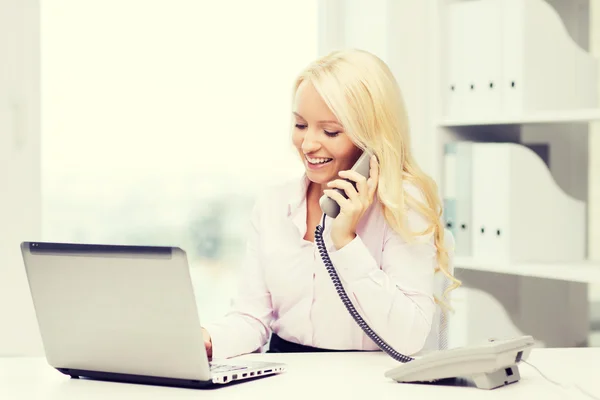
545 117
578 271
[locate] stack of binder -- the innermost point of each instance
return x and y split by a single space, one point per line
509 58
502 205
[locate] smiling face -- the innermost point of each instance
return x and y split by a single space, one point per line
319 137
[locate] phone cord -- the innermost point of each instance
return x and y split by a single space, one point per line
346 301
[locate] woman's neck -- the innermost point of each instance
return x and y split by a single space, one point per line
314 193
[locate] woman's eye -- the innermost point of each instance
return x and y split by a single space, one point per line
300 126
331 134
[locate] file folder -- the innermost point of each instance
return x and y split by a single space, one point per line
519 212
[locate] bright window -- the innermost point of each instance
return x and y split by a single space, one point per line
161 120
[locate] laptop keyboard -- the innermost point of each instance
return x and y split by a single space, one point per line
219 368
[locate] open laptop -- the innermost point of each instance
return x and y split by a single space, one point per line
124 313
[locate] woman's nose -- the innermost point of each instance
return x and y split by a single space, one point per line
310 142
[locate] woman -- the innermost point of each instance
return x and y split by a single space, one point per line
386 243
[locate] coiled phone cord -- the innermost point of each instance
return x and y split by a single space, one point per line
389 350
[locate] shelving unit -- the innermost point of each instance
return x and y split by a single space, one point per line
493 41
512 67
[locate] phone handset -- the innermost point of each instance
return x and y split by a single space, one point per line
363 165
331 208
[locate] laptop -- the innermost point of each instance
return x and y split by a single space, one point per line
126 314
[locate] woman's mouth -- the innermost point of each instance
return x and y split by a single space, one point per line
316 163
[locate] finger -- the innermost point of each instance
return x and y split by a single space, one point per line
343 202
373 176
361 181
346 187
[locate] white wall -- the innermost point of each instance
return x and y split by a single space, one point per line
147 132
20 196
402 34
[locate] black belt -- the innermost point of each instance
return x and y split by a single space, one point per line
279 345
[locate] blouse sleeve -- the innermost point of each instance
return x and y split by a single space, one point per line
246 327
396 297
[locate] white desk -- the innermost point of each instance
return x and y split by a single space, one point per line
340 376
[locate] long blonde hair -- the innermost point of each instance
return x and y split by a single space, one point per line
362 93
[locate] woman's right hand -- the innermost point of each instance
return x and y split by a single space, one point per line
207 343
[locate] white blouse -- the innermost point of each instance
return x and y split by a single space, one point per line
284 286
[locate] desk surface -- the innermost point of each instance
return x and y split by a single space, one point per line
315 376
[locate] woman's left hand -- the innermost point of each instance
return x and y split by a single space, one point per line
343 229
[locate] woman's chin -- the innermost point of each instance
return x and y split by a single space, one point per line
318 178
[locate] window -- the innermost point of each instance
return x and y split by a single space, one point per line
162 120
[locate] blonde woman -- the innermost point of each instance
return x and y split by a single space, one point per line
386 243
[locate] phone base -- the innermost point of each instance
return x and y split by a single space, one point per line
501 377
486 380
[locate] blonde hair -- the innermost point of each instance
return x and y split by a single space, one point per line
361 91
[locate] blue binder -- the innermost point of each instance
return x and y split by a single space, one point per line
464 199
449 184
457 197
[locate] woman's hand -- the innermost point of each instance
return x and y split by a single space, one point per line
343 229
207 343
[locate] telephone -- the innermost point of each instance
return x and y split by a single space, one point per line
332 209
489 365
363 165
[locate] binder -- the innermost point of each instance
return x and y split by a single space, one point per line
450 185
457 195
556 73
491 201
458 52
464 202
519 212
512 84
485 65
